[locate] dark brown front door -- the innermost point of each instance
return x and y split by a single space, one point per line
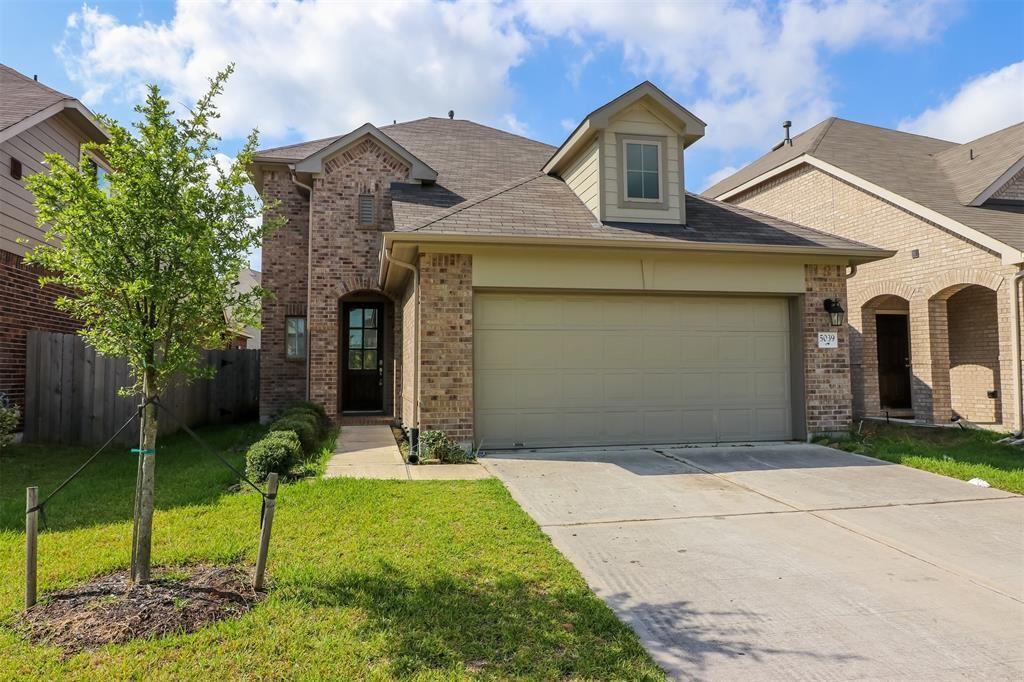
362 369
893 361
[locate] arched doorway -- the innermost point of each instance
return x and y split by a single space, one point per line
887 361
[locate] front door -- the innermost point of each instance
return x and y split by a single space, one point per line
362 369
893 361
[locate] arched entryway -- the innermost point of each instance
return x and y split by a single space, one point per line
972 321
366 354
887 356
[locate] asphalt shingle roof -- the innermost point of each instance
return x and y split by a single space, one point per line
539 205
934 173
21 97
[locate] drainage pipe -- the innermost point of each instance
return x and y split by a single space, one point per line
309 266
415 427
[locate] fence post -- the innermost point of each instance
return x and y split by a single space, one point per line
31 544
266 522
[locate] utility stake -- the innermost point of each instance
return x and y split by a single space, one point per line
266 522
31 544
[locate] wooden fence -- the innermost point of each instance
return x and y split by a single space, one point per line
71 392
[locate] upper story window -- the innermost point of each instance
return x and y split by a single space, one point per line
643 171
367 209
99 173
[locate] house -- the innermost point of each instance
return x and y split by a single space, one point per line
456 277
936 329
34 120
247 337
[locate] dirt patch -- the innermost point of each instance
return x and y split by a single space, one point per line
109 610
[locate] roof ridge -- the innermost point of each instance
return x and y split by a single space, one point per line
893 130
821 135
37 83
469 203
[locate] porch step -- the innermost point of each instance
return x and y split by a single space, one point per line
365 420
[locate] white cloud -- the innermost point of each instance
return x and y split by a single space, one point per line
514 125
568 124
719 175
307 69
983 105
743 67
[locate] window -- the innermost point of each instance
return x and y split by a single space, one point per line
643 180
295 338
99 174
366 209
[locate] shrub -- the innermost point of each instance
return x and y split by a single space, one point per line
305 429
278 452
9 417
305 414
437 445
316 409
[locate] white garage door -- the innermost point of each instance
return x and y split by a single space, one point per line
579 369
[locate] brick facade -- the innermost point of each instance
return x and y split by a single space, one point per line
24 306
446 344
1013 190
827 389
930 266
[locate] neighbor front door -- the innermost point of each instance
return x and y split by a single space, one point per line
362 369
893 361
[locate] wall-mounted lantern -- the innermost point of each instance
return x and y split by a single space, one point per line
835 311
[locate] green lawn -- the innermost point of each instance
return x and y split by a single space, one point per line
959 453
369 579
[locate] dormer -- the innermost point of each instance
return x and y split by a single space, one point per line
625 159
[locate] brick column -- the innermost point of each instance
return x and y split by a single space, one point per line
929 353
864 361
826 370
446 344
1007 390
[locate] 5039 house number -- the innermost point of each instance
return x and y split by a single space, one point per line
828 340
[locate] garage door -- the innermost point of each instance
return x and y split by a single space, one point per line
577 369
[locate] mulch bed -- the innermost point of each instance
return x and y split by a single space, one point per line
109 610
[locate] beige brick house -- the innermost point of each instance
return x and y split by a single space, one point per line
451 276
936 329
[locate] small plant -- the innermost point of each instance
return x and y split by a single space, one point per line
276 452
10 415
437 445
306 430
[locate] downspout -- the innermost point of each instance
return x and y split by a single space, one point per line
309 273
1015 335
415 427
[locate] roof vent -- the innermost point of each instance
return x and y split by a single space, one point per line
971 154
785 125
451 113
35 77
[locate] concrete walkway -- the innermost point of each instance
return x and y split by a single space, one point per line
787 561
371 452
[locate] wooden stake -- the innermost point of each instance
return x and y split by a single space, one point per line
267 522
31 544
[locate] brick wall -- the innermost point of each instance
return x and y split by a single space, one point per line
446 344
283 381
24 306
1012 190
943 264
345 259
974 354
826 370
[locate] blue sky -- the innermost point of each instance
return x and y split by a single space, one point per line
311 69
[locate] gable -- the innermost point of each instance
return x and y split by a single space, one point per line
1013 190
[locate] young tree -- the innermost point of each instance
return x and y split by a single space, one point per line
152 255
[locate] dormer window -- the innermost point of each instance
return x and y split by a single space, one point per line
643 176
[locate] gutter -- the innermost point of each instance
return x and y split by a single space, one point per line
415 426
309 267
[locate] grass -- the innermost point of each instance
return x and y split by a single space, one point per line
954 452
368 579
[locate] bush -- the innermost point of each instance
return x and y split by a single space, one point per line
318 410
9 417
437 445
277 452
307 415
306 429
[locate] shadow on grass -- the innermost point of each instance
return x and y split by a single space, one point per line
104 492
508 627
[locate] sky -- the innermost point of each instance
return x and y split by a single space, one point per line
315 68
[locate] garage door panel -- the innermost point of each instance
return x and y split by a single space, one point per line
604 369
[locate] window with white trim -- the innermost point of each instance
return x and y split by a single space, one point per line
295 338
643 171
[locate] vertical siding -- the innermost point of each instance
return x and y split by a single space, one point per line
17 211
582 178
638 120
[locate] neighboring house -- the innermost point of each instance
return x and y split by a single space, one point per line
457 277
937 328
248 337
34 120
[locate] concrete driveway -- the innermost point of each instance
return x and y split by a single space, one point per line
787 561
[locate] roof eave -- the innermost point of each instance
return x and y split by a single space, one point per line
987 193
78 112
418 169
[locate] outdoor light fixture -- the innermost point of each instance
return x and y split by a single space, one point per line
835 311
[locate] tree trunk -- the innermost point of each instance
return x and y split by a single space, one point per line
142 538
